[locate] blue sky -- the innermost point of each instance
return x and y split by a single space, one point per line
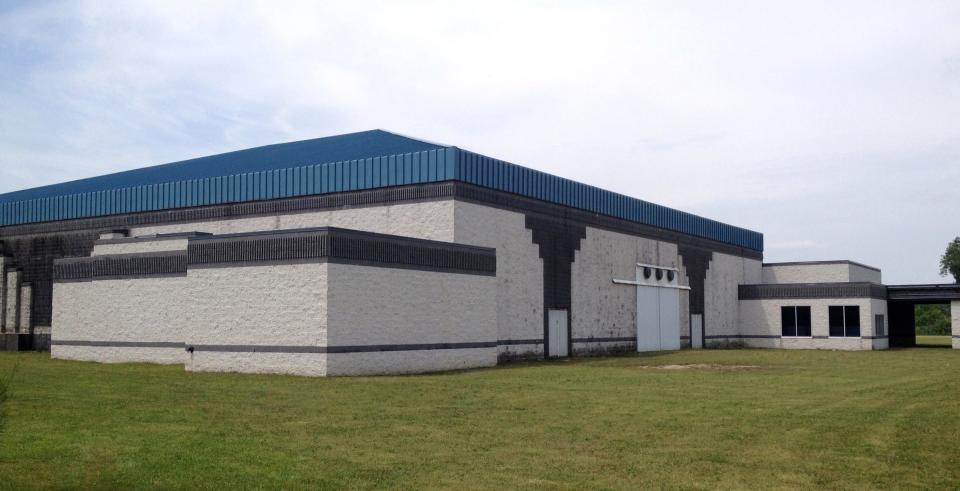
831 127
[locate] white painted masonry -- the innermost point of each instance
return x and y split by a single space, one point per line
819 272
762 318
3 294
955 323
279 306
721 297
390 306
519 290
161 244
600 308
12 307
26 297
433 220
80 313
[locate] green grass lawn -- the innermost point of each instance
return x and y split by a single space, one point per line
934 340
800 419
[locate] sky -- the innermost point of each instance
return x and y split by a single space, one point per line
831 127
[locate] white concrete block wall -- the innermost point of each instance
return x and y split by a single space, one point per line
839 272
955 323
26 313
392 306
878 306
600 308
267 305
432 220
3 294
721 295
859 273
121 310
519 291
127 247
12 307
762 318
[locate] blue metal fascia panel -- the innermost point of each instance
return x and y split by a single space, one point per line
439 164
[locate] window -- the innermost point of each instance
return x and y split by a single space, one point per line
844 321
795 321
879 328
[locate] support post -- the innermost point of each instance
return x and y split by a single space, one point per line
955 323
13 301
26 298
3 295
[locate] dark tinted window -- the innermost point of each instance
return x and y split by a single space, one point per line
788 321
852 316
836 321
803 321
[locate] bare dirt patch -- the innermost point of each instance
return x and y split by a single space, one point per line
702 366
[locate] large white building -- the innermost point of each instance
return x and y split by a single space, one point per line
376 253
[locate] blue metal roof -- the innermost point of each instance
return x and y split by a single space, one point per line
351 146
355 161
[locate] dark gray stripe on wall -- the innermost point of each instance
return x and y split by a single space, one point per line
342 245
285 247
117 344
375 348
812 290
629 339
744 336
248 348
512 342
149 265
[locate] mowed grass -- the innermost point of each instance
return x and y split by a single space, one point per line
934 340
800 419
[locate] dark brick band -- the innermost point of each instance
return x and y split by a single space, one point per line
141 265
318 244
812 290
253 348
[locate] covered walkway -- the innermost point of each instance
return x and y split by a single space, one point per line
901 301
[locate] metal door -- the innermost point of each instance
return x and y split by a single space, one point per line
696 331
558 339
669 318
648 318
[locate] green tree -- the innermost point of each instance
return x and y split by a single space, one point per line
950 261
932 320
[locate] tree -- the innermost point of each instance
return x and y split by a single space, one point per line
950 261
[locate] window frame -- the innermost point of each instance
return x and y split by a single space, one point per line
879 326
845 315
796 321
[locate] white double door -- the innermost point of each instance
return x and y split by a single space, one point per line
658 318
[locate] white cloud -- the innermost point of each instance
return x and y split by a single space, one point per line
835 124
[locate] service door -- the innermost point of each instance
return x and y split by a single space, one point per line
648 318
558 334
696 331
669 318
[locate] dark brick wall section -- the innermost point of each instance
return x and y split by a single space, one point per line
34 256
558 242
696 260
120 266
343 245
348 246
812 290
